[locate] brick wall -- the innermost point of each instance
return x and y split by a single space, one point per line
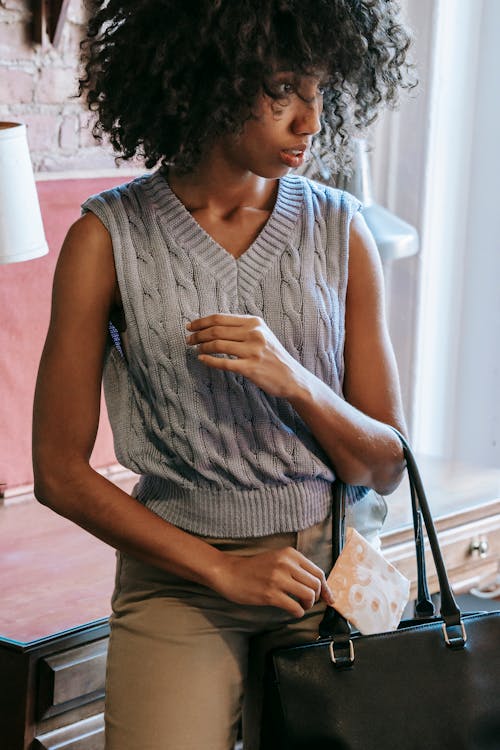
37 86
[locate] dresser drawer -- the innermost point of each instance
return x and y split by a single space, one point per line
82 735
71 678
471 554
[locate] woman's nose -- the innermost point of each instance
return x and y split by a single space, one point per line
307 119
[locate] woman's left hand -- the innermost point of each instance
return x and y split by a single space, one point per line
255 351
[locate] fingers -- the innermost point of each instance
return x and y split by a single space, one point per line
232 333
293 607
282 578
293 597
221 319
251 349
296 597
309 582
317 587
305 595
219 346
230 340
302 579
218 363
325 591
327 594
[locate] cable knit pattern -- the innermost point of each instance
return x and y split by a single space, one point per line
217 456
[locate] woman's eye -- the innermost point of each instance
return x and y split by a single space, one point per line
285 88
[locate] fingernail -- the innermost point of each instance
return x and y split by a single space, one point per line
188 326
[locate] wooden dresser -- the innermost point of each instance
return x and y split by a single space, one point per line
465 505
56 581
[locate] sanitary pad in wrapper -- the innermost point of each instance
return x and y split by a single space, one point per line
368 591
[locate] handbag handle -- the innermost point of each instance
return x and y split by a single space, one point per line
424 606
333 623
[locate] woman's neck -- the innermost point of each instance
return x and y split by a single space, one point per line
222 187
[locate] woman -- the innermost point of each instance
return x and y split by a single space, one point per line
248 364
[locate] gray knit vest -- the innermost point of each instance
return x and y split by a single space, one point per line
216 454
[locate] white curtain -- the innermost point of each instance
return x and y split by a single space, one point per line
436 163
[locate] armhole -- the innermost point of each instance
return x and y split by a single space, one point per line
98 206
349 206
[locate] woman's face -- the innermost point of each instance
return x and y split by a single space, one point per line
279 135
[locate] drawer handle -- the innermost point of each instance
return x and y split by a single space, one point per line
479 547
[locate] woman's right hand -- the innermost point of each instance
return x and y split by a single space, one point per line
282 578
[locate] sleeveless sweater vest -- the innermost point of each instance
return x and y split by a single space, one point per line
216 454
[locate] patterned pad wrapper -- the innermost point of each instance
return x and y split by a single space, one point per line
368 591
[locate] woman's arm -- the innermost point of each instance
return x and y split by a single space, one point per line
65 420
353 432
67 402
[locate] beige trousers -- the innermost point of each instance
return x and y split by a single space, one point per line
184 664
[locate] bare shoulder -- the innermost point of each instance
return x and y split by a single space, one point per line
363 253
365 286
88 232
86 263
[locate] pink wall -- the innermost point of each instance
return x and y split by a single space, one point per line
25 290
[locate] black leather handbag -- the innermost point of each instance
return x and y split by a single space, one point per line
432 684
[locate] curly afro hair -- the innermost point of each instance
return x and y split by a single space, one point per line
168 76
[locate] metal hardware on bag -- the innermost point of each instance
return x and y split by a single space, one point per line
342 661
479 546
456 642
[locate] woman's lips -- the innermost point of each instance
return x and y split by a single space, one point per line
292 157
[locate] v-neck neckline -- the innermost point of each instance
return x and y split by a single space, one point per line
254 261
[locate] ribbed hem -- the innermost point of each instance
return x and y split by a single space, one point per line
270 509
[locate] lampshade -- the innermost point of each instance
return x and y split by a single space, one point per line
21 229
